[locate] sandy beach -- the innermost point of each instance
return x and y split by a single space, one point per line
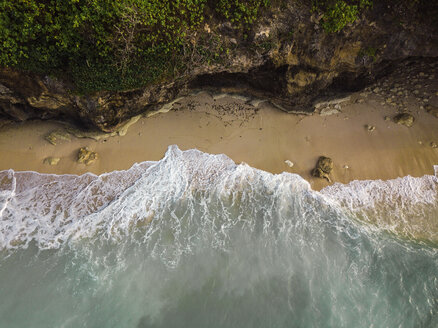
359 135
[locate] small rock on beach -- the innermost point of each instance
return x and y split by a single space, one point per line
51 160
405 119
289 163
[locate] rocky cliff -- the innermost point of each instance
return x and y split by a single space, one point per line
287 56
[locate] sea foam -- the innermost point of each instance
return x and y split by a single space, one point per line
197 240
406 206
52 210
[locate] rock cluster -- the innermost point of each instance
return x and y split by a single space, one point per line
412 83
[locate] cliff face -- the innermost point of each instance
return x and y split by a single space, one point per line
26 96
287 56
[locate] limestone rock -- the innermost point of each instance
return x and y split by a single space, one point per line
56 135
51 160
323 168
329 111
404 119
86 156
98 135
51 139
48 101
332 102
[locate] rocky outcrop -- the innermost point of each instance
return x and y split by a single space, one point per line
26 96
288 57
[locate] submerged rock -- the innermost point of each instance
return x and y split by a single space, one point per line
323 168
51 160
404 119
86 156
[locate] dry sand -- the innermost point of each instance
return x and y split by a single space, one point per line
262 137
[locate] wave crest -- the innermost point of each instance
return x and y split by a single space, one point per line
172 202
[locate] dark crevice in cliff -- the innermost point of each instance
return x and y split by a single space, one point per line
266 79
271 82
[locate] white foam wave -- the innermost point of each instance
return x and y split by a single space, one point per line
7 191
407 206
173 203
169 195
43 206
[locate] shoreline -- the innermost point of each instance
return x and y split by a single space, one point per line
263 137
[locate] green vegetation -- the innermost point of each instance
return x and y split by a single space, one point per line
240 12
127 44
339 13
111 45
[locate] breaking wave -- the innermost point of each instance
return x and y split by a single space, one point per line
197 240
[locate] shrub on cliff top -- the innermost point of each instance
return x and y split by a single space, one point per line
339 13
240 12
106 44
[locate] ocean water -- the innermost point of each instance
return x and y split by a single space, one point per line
195 240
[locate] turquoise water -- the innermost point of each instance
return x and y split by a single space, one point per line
195 240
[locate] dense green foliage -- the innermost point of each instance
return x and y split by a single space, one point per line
126 44
107 44
339 13
240 12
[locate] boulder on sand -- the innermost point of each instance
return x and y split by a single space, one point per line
323 168
86 156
